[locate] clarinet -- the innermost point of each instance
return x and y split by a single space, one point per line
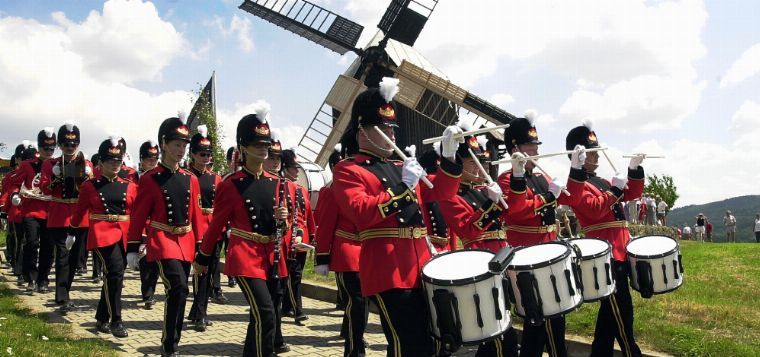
296 229
274 272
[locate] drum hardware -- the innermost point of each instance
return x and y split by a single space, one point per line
656 265
594 255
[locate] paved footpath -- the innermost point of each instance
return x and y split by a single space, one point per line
318 337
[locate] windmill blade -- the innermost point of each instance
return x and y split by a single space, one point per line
308 20
330 121
404 19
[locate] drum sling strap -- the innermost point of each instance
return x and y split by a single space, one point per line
644 277
530 298
449 325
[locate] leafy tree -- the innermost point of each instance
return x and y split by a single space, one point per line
205 115
662 187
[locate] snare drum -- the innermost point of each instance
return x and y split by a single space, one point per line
544 281
313 177
467 302
656 266
596 268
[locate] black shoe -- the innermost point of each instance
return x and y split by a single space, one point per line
31 286
118 330
232 282
96 280
68 307
302 317
149 303
220 299
20 280
80 272
200 325
103 327
287 313
43 289
282 348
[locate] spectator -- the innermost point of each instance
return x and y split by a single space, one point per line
643 210
757 227
699 229
651 211
730 222
633 211
708 231
686 232
662 210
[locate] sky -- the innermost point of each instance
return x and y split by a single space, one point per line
673 78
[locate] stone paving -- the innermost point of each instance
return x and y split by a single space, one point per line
318 336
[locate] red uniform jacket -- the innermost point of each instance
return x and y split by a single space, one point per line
13 212
337 238
247 201
27 176
171 200
128 173
597 205
300 204
64 193
208 181
438 231
110 203
470 214
530 218
370 193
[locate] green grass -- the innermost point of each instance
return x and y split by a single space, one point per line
2 238
310 275
714 313
23 333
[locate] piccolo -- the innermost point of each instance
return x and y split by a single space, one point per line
466 133
400 153
508 160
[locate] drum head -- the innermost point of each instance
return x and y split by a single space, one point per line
457 265
303 178
652 246
537 254
591 247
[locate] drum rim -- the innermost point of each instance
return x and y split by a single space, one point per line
541 264
593 256
477 342
601 298
663 291
652 256
456 282
559 313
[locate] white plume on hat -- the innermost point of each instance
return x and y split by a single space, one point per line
389 88
203 130
589 124
464 124
411 150
69 125
114 140
261 109
182 116
482 140
338 147
26 143
437 148
294 149
152 143
48 131
531 115
275 134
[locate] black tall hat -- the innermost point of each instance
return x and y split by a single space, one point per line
276 148
470 143
149 150
375 106
13 161
582 135
200 141
30 153
46 138
253 128
20 149
521 131
289 159
230 151
95 159
335 156
111 149
68 134
430 160
174 128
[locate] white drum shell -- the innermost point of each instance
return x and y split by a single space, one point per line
313 177
550 306
664 280
603 265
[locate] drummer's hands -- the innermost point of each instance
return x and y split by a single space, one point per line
636 161
578 157
555 187
281 213
518 164
411 172
450 143
494 191
620 180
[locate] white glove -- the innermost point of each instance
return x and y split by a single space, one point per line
636 161
620 180
578 157
494 191
297 239
411 172
87 171
70 241
322 269
555 187
450 144
142 251
133 261
518 164
57 169
16 200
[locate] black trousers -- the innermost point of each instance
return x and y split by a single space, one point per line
66 262
292 301
502 346
20 235
148 278
340 298
83 255
174 274
10 244
405 322
355 314
757 236
615 318
203 286
214 269
35 230
113 259
264 332
549 334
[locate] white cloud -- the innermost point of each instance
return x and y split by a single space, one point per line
745 67
745 124
239 27
501 100
290 133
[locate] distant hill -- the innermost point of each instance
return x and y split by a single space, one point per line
744 209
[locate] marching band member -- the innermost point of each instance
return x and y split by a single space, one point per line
126 171
15 238
148 270
532 198
170 197
107 200
200 153
61 179
338 249
382 199
252 201
233 161
438 231
597 204
475 216
302 231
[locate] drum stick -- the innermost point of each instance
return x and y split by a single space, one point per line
488 177
466 133
544 171
509 160
400 154
610 161
645 156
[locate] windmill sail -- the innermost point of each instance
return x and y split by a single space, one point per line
308 20
404 19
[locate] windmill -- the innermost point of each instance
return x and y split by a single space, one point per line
427 100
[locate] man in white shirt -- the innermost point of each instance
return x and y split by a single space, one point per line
730 222
662 208
686 232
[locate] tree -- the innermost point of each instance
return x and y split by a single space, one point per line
203 112
662 187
